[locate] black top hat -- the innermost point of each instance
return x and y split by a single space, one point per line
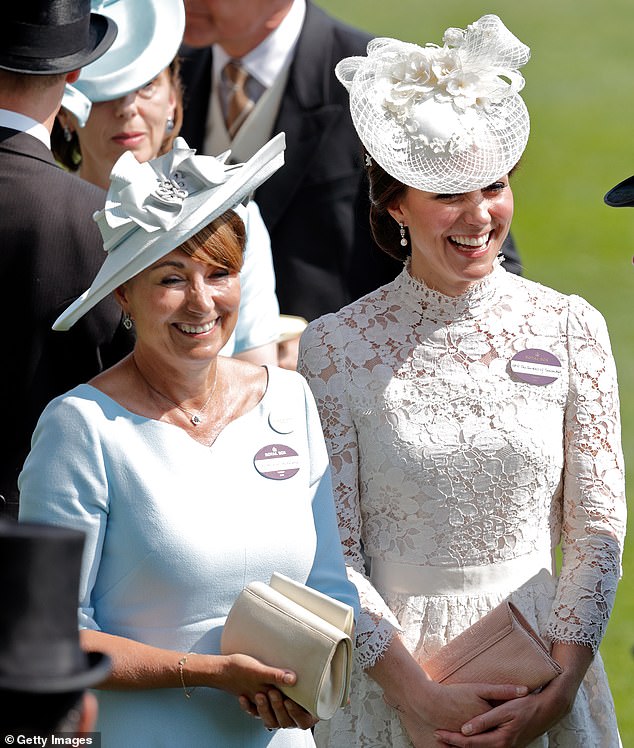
39 635
43 37
622 195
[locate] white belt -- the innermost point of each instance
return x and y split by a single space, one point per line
464 580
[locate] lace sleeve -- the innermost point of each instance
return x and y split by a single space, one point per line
594 510
321 363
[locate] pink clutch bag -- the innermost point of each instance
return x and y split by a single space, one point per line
500 648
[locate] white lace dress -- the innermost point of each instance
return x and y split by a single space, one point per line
456 475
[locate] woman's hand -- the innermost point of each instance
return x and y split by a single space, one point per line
243 675
422 714
516 723
278 711
256 686
424 705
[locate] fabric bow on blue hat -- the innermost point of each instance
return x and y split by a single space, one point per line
153 207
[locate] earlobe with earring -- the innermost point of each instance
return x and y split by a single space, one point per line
127 321
169 124
401 228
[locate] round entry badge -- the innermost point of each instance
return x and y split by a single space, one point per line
277 461
536 366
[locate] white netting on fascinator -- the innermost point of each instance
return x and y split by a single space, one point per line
442 119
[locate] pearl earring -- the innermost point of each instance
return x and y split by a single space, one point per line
169 124
401 228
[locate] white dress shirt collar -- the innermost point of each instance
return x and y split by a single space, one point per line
17 121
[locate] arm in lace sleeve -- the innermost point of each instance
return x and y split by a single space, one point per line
594 511
321 361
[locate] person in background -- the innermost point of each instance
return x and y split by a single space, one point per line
471 415
291 330
131 99
44 673
621 196
50 245
253 69
192 474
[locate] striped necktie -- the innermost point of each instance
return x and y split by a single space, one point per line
239 104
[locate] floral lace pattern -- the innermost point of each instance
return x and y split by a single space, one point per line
442 456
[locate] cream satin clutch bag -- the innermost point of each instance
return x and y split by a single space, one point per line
500 648
286 624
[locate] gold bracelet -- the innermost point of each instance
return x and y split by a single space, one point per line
181 663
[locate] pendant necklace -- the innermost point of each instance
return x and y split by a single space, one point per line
194 418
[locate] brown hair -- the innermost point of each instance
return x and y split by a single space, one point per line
221 242
385 191
68 152
28 82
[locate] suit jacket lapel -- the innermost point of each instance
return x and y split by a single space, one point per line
304 115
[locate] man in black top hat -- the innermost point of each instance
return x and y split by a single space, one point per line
44 673
51 247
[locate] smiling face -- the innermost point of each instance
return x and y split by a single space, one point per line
455 238
136 122
183 308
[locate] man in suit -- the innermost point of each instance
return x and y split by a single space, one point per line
316 207
44 674
51 247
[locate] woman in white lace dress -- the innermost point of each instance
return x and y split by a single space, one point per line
472 418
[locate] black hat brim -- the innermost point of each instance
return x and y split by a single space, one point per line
102 33
98 668
621 196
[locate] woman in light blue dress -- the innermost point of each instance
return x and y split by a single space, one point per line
191 474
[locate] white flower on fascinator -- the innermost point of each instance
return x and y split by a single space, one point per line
414 105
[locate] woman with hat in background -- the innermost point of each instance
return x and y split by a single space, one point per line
472 417
167 462
131 99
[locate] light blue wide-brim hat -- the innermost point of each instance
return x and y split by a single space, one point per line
155 206
149 35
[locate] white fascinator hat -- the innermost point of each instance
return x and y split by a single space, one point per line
149 35
442 119
155 206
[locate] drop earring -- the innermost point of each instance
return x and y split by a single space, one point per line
169 124
68 135
401 228
127 321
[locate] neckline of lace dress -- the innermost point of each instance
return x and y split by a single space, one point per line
417 295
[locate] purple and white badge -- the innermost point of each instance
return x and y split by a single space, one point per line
277 461
536 366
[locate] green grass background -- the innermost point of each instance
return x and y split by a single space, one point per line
580 94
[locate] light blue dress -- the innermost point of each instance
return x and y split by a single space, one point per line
259 316
174 531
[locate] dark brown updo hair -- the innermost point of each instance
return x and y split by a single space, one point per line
385 191
68 152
